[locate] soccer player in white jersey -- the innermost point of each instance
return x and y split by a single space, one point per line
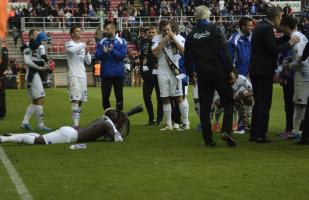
167 46
243 101
301 76
77 55
35 87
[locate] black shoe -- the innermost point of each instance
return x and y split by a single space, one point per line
262 140
151 123
211 144
229 139
159 123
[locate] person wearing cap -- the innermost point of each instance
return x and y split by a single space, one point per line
36 60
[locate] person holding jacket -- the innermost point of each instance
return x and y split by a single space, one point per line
112 50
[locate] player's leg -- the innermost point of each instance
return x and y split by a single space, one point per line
118 90
22 138
38 94
29 112
176 90
164 94
300 102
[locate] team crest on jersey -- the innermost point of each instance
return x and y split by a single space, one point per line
27 52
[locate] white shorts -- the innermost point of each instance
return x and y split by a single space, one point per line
169 85
301 92
77 89
195 91
36 90
63 135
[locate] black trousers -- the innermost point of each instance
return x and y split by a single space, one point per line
288 92
206 90
262 93
148 86
106 87
2 98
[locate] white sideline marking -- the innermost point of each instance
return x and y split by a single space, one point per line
15 178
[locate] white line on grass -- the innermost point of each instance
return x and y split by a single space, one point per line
16 179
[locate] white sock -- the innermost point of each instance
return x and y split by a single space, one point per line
19 138
28 114
167 109
184 110
75 114
39 115
31 134
299 114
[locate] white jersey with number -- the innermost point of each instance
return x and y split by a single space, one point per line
301 67
76 58
163 67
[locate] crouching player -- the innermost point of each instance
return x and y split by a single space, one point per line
243 101
112 126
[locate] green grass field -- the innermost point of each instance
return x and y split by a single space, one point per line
151 164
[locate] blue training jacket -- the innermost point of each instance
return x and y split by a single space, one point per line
239 47
112 62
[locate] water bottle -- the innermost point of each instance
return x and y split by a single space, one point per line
78 146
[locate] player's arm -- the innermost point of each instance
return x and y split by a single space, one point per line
42 52
297 57
29 62
179 42
158 46
72 49
99 53
121 53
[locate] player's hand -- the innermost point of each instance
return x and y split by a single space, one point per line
193 78
172 35
232 78
294 40
110 48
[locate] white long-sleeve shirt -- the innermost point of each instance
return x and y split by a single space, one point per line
301 67
76 58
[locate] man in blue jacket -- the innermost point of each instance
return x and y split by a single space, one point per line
112 50
239 46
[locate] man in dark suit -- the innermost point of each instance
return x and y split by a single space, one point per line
263 64
148 64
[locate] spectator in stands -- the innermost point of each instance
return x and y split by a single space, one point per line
16 35
112 51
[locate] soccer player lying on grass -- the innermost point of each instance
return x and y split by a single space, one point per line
112 126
